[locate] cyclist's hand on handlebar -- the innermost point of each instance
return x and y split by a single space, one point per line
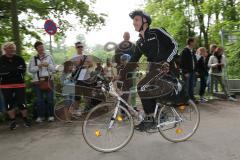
165 67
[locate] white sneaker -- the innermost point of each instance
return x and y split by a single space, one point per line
50 119
39 120
232 99
77 113
213 98
203 100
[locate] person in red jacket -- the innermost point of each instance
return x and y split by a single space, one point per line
12 71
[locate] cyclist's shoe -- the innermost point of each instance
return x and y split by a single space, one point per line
146 124
140 127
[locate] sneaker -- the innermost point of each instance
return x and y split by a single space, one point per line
145 125
27 124
232 99
13 125
77 113
140 127
212 98
50 119
39 120
203 100
69 121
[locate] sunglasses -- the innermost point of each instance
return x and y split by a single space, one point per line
79 47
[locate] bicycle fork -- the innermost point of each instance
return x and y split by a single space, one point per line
113 118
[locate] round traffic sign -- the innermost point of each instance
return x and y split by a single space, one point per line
50 27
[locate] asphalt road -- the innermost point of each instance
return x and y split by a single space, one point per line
218 138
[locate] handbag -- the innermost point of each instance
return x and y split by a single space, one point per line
44 83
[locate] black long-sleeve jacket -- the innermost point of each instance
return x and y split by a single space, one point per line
12 70
157 45
188 62
202 67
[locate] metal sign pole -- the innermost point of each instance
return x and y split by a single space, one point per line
51 45
226 67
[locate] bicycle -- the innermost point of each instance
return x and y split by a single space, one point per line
69 109
108 127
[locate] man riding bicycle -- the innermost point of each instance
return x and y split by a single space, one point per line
158 46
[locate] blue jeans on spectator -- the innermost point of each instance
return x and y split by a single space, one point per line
190 83
44 102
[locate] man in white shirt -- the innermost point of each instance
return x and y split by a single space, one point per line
82 61
84 67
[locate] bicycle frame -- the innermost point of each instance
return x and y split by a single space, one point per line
176 116
114 93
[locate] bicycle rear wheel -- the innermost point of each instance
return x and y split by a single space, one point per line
62 109
178 124
108 128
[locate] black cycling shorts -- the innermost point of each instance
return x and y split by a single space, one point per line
14 97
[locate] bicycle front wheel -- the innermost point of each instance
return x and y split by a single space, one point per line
178 123
108 128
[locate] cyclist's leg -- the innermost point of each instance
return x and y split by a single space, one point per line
148 105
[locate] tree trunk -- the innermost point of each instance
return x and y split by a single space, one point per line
200 17
15 26
205 36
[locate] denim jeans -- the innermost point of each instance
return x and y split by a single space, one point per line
45 102
190 82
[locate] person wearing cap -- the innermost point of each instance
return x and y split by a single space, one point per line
158 46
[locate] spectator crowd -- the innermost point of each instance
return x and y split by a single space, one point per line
194 64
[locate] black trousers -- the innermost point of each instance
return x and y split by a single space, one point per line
150 97
203 85
154 86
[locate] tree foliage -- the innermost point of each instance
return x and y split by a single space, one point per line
204 19
31 11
